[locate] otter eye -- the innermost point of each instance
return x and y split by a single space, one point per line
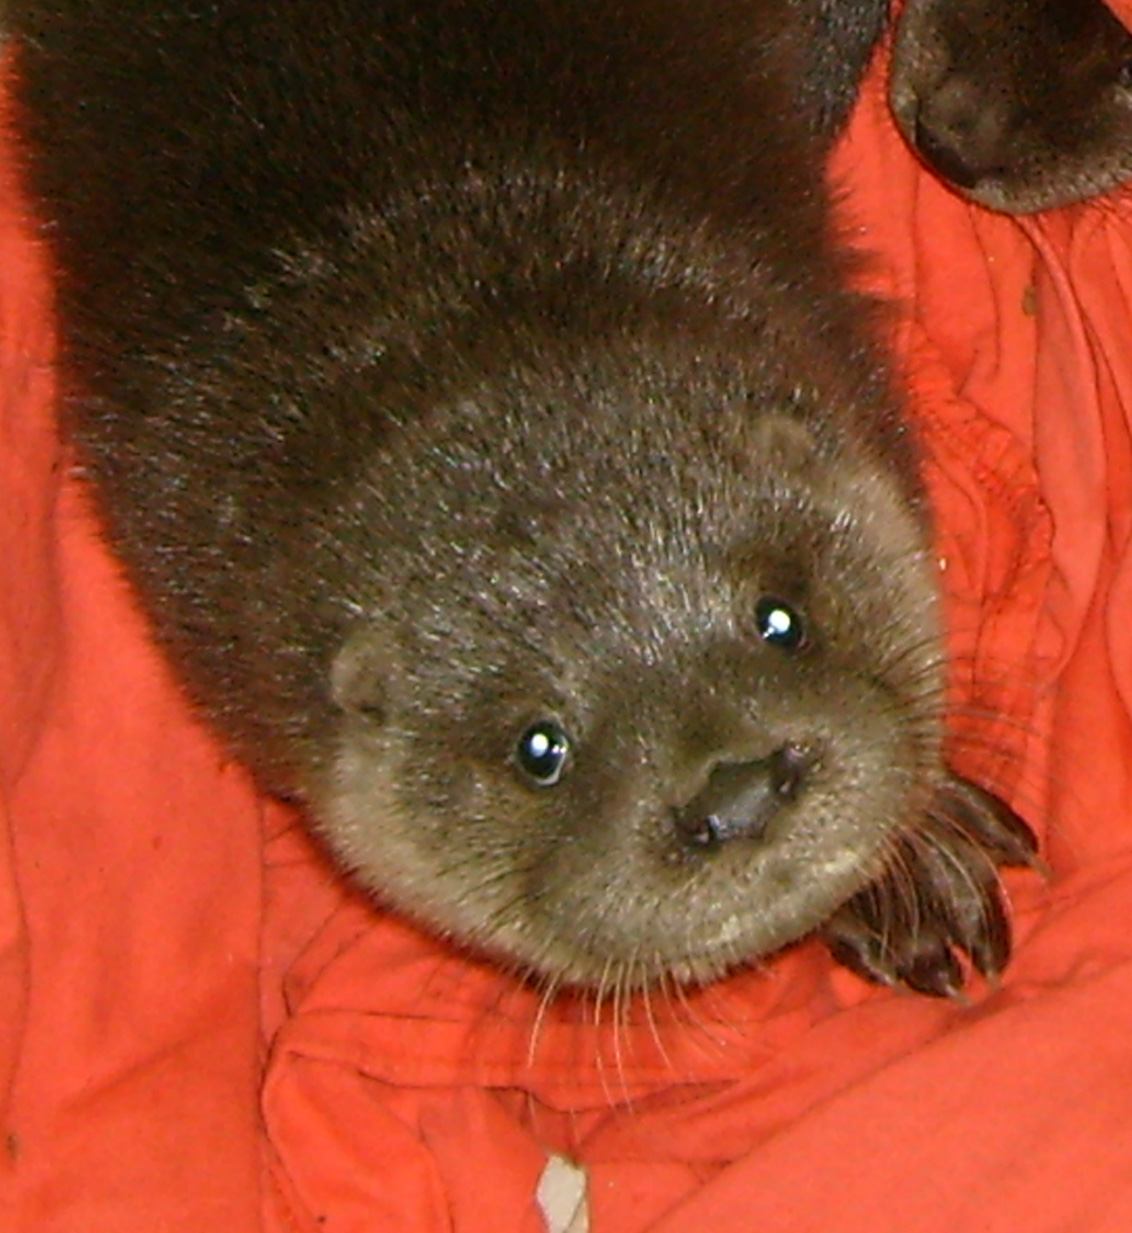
779 624
542 752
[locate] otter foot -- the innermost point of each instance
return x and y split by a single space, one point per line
939 898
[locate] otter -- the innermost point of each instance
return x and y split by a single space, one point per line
1021 105
473 397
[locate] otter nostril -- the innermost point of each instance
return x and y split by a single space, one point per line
790 767
698 831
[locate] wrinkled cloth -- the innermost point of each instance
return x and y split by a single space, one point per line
203 1028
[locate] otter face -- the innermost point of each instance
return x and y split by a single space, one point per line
1021 105
615 738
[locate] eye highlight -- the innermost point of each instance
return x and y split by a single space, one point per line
780 624
542 752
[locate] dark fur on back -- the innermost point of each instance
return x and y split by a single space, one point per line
838 39
466 382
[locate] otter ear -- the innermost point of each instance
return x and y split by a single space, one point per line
784 443
362 675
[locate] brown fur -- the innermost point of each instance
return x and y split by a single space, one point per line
458 380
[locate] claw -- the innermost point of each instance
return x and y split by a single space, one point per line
939 899
990 822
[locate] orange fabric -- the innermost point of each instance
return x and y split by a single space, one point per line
202 1029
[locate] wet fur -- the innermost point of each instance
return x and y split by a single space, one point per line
440 369
1021 105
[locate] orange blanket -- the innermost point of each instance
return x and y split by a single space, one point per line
202 1029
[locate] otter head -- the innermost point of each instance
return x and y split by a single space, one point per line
641 683
1021 105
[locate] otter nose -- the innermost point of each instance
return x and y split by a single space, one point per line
740 799
961 132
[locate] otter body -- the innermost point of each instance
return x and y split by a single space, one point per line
1021 105
471 394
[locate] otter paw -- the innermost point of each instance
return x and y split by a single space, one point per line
939 898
